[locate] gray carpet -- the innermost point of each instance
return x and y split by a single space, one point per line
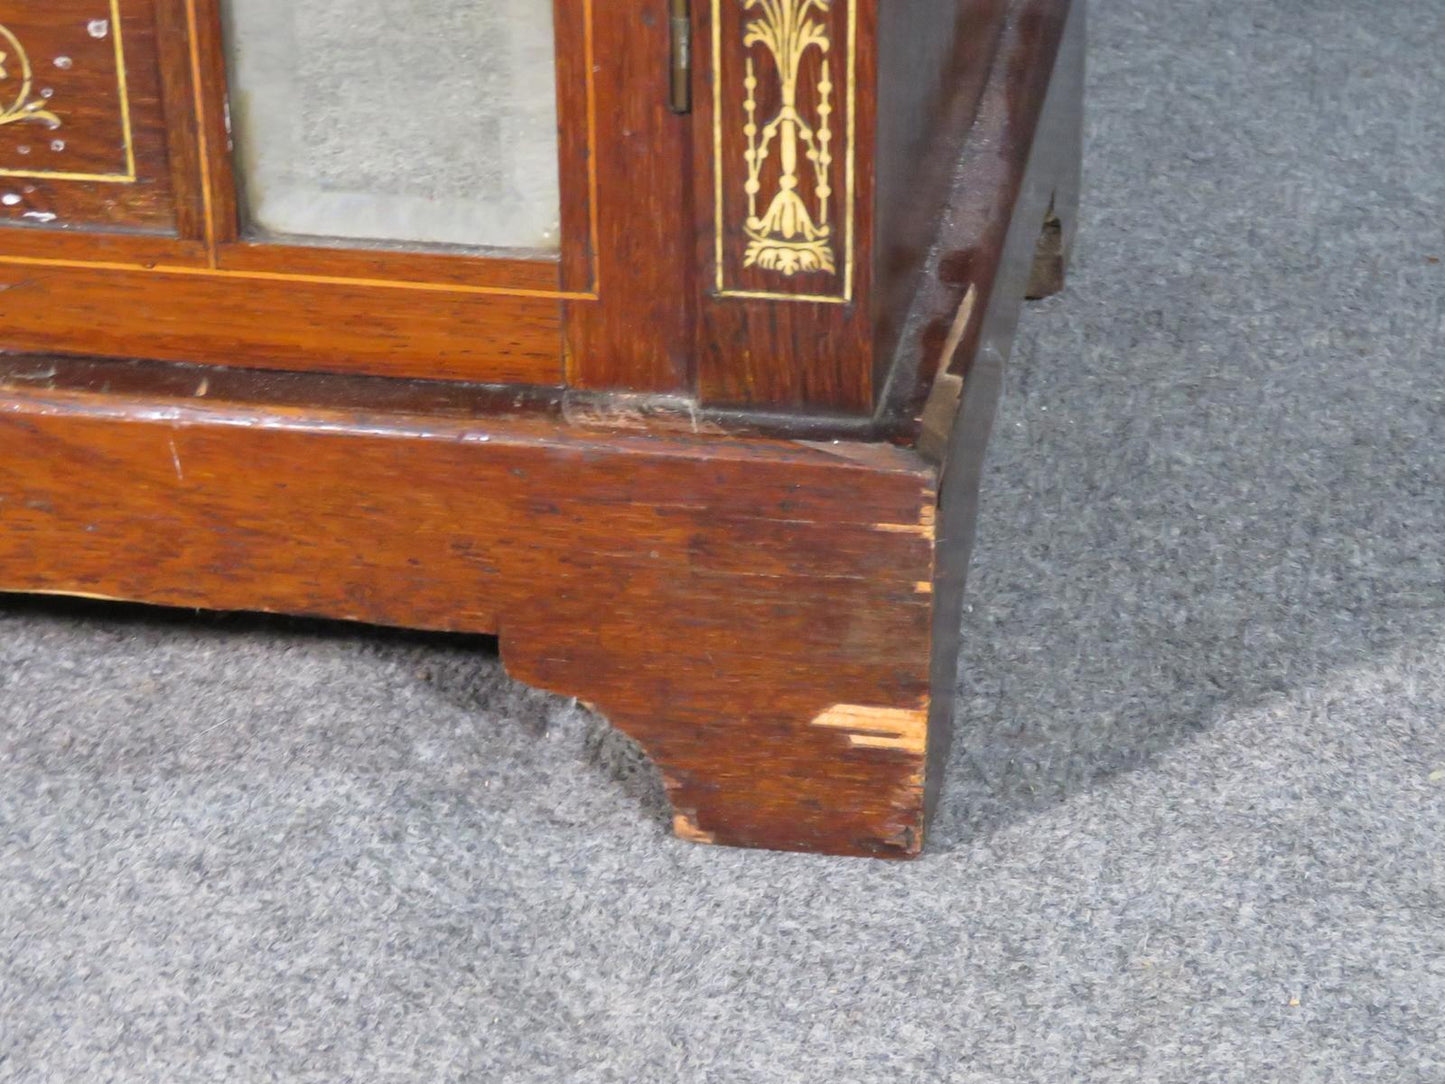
1194 828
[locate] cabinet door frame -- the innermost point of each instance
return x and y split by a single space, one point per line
500 270
590 316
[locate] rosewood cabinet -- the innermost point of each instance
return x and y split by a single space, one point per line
660 338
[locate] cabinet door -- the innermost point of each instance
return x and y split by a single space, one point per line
450 189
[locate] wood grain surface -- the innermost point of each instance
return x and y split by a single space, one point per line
713 599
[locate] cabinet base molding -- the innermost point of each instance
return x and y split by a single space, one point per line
754 613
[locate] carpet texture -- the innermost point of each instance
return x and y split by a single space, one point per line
1193 830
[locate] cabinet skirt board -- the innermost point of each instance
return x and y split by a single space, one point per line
755 613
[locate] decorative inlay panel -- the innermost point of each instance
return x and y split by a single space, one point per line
64 102
83 139
784 115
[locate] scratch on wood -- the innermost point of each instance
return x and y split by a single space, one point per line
59 593
904 729
638 413
176 459
926 526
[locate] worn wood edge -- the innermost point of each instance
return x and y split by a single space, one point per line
936 422
948 119
147 390
598 412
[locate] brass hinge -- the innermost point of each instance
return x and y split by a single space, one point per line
680 23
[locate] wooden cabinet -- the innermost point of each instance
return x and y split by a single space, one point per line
645 334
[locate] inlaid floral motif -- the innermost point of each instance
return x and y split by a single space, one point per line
18 101
792 235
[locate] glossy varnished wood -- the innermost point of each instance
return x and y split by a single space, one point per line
632 304
620 278
636 334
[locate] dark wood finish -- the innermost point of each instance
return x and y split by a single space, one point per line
183 136
967 304
774 618
932 66
636 302
621 277
282 323
1028 136
502 274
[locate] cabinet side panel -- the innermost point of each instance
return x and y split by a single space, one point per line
933 61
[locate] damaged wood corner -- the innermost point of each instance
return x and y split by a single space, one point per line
927 526
941 409
1050 258
904 730
685 826
729 500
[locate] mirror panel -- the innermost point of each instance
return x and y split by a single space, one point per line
400 125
